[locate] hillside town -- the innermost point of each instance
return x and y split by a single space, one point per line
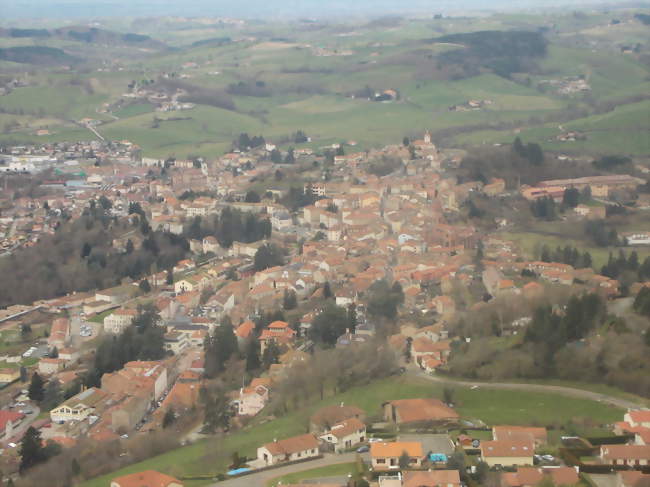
329 251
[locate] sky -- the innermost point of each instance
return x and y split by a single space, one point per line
271 9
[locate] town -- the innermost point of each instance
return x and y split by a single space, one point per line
360 254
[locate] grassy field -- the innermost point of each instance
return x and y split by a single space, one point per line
311 91
338 470
490 405
532 242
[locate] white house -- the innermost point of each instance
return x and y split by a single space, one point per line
345 435
289 449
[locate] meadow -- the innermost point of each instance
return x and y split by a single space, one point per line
311 75
492 406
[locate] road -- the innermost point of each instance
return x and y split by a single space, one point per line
260 479
566 391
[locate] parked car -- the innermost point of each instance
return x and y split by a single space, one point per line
363 449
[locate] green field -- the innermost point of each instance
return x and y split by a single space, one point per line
312 92
492 406
338 470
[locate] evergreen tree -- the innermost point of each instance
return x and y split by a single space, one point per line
31 450
170 277
144 286
252 355
52 396
271 355
327 290
169 418
75 468
36 388
290 300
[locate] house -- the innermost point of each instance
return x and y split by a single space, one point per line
434 478
628 455
49 366
289 449
533 476
344 435
520 433
278 332
638 417
80 406
59 333
506 453
385 456
8 421
324 418
119 320
176 341
252 400
418 410
148 478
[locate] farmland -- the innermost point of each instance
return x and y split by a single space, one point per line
310 79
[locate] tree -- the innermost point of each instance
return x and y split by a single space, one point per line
54 353
144 286
571 198
169 418
85 250
332 322
23 375
252 197
217 409
290 158
31 450
75 468
219 347
36 390
327 290
406 142
52 396
253 355
129 247
169 280
404 460
276 157
290 300
271 355
268 255
448 395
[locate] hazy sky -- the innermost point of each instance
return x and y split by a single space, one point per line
70 9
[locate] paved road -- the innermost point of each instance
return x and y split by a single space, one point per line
260 479
566 391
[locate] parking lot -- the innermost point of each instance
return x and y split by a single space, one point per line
434 443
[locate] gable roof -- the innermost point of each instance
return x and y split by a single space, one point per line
148 478
412 410
506 448
431 479
396 449
291 445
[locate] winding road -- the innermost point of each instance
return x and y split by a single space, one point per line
563 390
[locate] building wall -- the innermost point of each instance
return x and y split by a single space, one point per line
507 461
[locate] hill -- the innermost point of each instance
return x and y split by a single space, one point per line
39 55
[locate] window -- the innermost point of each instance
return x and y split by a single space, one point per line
381 460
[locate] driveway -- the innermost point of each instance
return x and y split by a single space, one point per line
566 391
260 479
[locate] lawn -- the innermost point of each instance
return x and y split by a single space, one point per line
338 470
492 406
99 318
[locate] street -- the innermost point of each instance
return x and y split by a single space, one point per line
260 479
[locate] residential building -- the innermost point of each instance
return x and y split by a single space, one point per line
533 476
80 406
385 456
346 434
148 478
506 453
433 478
289 449
418 410
119 320
628 455
8 422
